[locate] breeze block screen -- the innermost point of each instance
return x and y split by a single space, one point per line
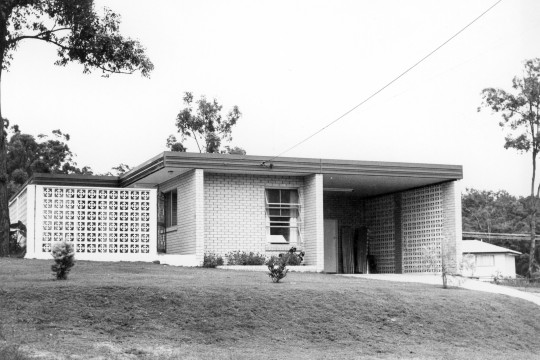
101 223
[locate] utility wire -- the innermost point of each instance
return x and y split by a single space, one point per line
385 86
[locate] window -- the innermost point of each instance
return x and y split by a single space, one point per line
171 203
282 215
485 260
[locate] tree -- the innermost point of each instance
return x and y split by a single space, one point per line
202 120
235 150
520 111
80 35
499 212
26 156
174 145
121 169
493 212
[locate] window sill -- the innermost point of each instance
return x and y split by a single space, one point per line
171 229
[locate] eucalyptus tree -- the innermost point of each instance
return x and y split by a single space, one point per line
520 112
203 121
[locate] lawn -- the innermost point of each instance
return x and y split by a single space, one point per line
150 311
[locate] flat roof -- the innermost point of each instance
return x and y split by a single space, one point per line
375 177
361 178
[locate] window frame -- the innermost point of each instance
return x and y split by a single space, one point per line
294 221
171 208
484 263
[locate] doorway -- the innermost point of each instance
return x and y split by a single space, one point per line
352 250
330 246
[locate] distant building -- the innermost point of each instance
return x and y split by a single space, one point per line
490 260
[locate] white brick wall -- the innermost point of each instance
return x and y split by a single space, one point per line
452 227
235 216
189 234
314 221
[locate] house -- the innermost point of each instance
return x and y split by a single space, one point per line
178 206
489 260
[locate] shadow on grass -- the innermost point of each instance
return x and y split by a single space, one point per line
12 352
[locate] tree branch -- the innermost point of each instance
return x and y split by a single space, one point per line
36 36
43 39
115 71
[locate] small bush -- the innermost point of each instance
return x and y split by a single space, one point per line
212 260
277 268
244 258
17 239
64 258
292 257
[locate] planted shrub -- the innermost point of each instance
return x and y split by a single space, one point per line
244 258
64 259
277 268
212 260
292 257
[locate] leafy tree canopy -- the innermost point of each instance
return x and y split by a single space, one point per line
78 32
203 121
494 212
27 155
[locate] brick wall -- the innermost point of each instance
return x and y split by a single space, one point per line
380 222
347 210
422 219
187 237
235 215
451 226
314 221
398 234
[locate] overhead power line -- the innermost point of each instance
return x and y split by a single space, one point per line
385 86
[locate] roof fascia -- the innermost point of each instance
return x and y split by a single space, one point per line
289 165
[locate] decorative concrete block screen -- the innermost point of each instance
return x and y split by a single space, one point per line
422 219
102 223
380 215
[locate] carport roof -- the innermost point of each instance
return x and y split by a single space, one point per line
361 178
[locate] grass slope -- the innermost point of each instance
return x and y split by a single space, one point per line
148 311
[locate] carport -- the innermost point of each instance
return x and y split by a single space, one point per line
390 217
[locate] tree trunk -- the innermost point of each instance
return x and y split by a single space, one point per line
4 206
533 218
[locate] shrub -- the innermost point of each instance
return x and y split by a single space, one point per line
276 268
212 260
64 258
292 257
244 258
17 239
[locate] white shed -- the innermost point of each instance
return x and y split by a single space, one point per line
489 260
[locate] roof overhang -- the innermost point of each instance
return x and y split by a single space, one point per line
69 180
359 178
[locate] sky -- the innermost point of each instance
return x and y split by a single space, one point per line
292 67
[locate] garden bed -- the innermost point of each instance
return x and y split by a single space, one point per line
291 268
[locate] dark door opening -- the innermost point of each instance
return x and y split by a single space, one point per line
353 250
